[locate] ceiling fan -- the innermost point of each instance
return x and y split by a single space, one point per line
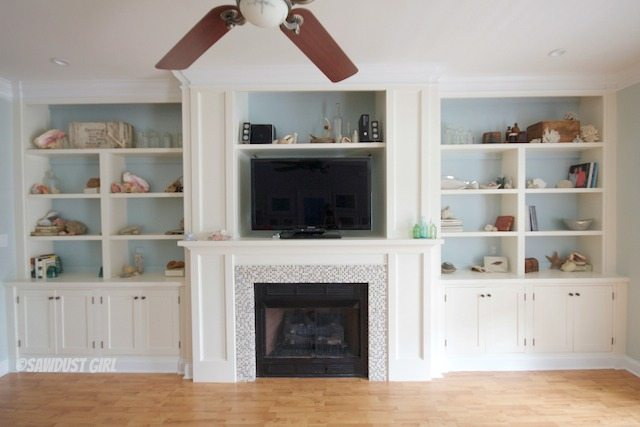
299 24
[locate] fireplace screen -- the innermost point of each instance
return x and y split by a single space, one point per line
311 329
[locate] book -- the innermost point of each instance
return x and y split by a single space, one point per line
578 175
533 218
594 177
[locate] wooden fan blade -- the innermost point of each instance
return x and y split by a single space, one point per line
315 42
201 37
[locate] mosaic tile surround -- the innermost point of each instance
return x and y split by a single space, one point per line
247 275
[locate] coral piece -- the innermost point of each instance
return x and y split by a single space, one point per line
550 136
219 235
536 183
555 260
589 133
54 138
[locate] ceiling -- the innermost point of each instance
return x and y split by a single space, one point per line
123 39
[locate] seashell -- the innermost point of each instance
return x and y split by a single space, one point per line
446 213
54 138
568 266
490 227
134 184
49 218
447 268
535 141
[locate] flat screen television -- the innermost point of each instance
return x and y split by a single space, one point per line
299 193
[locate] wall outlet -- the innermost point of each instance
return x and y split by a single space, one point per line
4 240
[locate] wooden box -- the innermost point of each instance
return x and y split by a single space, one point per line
568 129
101 134
491 137
531 265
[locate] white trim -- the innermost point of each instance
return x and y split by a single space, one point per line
123 364
523 362
631 365
6 89
4 367
101 91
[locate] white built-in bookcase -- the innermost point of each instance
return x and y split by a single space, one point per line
522 162
104 213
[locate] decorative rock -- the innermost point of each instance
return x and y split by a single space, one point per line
54 138
130 230
446 213
448 268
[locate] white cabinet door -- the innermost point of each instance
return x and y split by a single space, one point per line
502 314
552 319
74 320
462 321
593 318
36 322
160 322
120 322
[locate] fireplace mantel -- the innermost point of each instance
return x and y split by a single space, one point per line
412 268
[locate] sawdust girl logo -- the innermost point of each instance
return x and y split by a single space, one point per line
66 364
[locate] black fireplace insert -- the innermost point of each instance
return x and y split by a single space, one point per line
311 329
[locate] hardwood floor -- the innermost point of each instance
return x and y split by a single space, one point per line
560 398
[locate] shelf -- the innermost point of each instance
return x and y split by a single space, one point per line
546 275
84 237
563 233
147 237
312 149
563 191
97 151
480 234
146 195
470 192
76 279
64 196
484 148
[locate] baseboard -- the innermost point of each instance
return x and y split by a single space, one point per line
535 362
631 365
4 367
100 364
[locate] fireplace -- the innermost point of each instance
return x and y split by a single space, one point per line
311 329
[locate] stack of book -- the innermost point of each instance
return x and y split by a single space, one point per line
46 266
451 225
584 175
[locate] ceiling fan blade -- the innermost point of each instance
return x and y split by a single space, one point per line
315 42
201 37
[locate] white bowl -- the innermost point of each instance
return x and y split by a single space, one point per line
578 224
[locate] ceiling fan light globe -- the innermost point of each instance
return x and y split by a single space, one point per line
264 13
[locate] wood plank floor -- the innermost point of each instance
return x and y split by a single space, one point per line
560 398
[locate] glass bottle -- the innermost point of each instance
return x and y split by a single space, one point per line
138 261
337 124
51 181
433 230
416 231
424 228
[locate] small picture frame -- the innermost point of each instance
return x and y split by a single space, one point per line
496 264
504 222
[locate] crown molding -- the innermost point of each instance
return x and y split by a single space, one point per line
6 89
628 77
450 86
100 91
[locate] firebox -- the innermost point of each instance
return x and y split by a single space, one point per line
311 329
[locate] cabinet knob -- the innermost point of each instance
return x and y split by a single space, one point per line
50 298
577 294
481 295
57 298
135 297
570 294
489 295
143 297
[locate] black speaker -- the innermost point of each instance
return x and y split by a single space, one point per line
363 128
375 131
246 132
262 134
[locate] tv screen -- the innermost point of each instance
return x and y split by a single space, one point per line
327 193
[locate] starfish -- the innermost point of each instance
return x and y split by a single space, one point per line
555 261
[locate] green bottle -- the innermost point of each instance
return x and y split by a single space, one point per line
416 231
